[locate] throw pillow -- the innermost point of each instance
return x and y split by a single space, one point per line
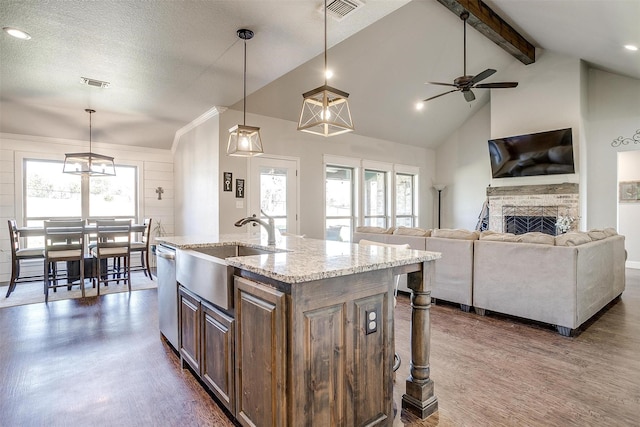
368 229
596 234
610 231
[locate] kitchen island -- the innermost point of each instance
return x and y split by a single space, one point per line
301 333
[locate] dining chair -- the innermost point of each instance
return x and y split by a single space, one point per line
19 254
113 242
63 241
363 242
142 246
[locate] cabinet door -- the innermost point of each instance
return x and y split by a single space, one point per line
218 354
189 329
261 338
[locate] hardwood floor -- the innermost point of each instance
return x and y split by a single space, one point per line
100 361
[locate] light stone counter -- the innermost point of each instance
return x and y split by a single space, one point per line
301 260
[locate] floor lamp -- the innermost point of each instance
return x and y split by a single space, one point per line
439 187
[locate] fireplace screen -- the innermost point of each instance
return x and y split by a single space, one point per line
524 219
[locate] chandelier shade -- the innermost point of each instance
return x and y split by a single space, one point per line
244 141
325 110
90 163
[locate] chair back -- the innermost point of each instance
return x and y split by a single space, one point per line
114 237
14 240
146 234
64 236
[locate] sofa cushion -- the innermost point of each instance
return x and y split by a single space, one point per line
495 236
597 234
412 231
572 238
455 234
538 238
378 230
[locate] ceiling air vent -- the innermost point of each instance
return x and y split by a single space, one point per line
339 9
93 82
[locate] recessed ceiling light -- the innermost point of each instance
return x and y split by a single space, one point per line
631 47
14 32
419 105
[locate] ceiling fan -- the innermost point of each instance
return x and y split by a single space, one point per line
465 83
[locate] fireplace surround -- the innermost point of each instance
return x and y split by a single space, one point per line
524 208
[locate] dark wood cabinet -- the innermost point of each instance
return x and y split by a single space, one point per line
261 391
217 366
189 328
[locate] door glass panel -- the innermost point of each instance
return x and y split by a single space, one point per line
273 195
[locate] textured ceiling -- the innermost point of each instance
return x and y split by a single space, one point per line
171 61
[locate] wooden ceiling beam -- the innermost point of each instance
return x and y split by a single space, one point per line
496 29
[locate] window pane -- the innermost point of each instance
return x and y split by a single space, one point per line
404 194
404 221
375 222
339 229
113 196
339 191
375 196
49 192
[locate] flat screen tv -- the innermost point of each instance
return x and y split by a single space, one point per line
543 153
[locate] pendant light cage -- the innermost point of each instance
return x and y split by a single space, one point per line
325 110
244 141
90 163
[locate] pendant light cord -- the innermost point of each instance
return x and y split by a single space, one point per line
244 87
325 42
90 112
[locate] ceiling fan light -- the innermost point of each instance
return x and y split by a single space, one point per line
325 111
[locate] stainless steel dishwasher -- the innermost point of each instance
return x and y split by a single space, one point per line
167 294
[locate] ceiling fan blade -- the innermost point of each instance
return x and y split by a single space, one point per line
483 75
468 95
441 84
437 96
497 85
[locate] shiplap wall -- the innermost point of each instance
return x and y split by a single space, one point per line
156 170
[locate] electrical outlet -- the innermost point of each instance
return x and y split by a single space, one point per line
371 321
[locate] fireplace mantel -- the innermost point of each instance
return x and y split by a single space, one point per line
522 190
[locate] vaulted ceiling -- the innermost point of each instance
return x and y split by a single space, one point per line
169 62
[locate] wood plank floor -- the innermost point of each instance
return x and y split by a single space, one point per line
100 362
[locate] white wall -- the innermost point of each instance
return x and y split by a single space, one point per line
197 179
280 137
156 171
463 166
629 213
614 111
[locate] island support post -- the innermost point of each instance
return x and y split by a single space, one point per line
419 398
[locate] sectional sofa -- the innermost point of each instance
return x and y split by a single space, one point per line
563 280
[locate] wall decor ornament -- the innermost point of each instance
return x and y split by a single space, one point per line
240 188
626 141
629 192
227 181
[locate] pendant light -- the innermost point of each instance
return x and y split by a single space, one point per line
244 141
325 110
90 163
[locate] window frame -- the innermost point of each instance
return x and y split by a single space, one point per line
414 172
354 165
20 160
387 169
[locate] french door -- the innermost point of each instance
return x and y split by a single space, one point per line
273 190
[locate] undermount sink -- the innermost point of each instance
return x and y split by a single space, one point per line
205 272
228 251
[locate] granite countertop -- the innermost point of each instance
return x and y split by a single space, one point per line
301 260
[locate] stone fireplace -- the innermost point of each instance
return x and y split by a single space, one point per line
525 208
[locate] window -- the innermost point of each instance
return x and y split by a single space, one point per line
339 202
375 198
405 200
49 194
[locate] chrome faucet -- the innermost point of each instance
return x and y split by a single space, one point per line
270 226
